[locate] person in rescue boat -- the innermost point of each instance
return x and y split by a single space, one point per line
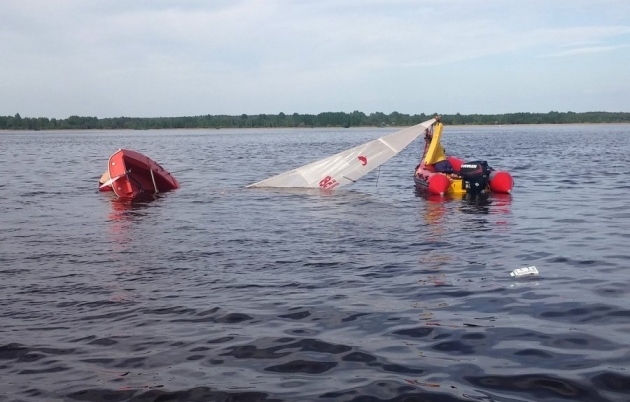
441 164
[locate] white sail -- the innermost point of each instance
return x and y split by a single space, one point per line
347 166
110 181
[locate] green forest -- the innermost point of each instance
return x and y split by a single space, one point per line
327 119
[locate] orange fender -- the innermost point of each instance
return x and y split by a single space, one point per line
438 184
501 182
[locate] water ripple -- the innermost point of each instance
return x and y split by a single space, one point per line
375 293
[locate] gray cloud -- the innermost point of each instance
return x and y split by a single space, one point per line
168 58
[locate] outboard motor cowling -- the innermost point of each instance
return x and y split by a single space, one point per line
475 176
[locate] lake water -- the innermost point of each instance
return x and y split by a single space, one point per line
215 292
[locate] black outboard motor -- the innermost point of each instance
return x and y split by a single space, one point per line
475 176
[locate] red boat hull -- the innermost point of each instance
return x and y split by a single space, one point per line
133 175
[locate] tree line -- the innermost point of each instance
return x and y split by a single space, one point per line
327 119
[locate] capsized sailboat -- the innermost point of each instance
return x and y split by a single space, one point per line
347 166
440 174
131 174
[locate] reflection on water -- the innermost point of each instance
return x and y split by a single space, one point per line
434 211
476 204
129 210
437 206
124 216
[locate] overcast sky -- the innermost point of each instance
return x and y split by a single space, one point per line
148 58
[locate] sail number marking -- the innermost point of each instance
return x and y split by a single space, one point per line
328 183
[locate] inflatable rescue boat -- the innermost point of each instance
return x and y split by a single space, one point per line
440 174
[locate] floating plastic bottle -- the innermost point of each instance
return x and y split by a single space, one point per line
526 271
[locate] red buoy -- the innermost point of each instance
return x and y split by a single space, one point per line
438 184
501 182
455 162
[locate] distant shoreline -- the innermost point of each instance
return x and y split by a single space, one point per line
304 128
295 120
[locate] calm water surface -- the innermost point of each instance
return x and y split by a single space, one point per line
215 292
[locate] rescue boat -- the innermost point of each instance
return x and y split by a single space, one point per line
440 174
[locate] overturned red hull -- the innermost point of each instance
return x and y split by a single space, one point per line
133 175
